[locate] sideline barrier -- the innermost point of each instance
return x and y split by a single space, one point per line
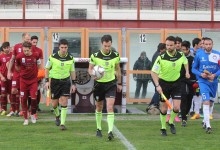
82 101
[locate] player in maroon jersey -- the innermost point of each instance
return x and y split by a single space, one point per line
27 64
5 83
34 41
14 74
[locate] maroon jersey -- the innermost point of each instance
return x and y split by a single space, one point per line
4 62
28 66
18 48
36 49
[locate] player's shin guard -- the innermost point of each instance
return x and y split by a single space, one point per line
197 103
110 120
13 103
172 116
33 106
38 98
206 115
211 108
63 114
4 102
163 120
56 111
17 102
98 117
13 99
24 107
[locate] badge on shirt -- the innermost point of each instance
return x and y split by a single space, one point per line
213 58
173 64
19 50
62 64
3 59
106 63
156 67
23 60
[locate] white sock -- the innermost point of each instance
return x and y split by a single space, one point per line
192 105
200 101
206 115
197 104
211 108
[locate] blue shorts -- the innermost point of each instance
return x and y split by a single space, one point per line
208 90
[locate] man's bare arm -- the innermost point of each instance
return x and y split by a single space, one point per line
11 63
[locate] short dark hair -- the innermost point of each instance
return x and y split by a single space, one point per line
208 39
161 46
196 41
34 37
26 44
5 44
204 38
179 39
186 44
106 38
63 42
171 38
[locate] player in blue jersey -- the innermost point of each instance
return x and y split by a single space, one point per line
207 70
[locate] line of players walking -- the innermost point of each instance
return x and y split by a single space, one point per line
197 82
20 78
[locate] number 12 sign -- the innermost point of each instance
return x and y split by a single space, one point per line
142 38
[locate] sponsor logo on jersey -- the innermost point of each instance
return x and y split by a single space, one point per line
23 60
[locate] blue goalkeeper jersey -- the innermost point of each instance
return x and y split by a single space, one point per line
206 61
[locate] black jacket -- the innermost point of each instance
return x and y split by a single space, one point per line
183 72
142 65
156 54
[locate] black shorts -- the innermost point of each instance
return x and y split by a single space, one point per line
171 89
104 90
60 87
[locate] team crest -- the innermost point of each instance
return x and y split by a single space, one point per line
213 58
3 59
203 59
106 63
62 64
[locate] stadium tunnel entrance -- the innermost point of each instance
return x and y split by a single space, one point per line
82 101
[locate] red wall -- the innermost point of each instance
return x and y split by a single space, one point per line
110 23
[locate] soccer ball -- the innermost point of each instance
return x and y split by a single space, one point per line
98 71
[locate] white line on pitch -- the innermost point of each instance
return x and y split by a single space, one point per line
123 139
